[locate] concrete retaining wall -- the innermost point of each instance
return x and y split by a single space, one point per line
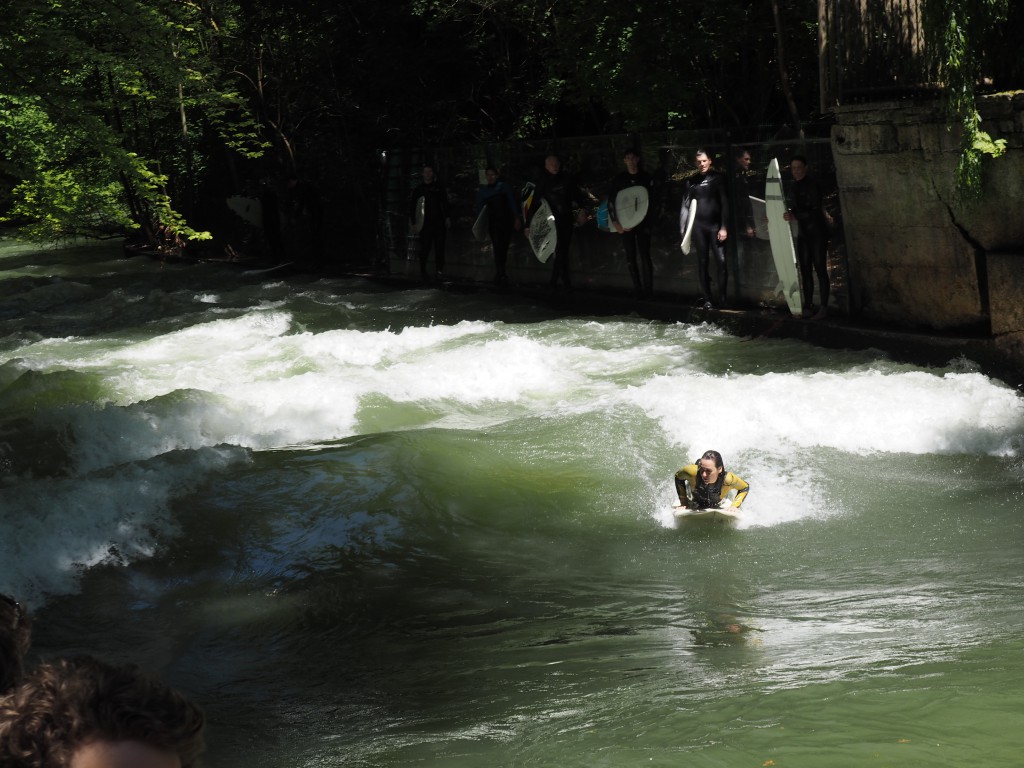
918 255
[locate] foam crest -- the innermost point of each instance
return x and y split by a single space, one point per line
497 370
770 427
859 411
53 529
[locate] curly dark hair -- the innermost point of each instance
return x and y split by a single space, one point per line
63 705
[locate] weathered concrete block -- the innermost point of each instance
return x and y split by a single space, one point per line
908 137
865 139
913 243
1005 291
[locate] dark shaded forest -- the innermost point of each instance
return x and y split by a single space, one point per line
122 115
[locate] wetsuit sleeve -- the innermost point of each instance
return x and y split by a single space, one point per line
723 201
738 484
745 212
481 198
684 475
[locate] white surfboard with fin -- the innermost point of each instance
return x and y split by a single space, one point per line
691 215
781 236
542 234
726 515
723 517
631 206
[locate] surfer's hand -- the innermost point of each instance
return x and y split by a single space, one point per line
725 504
788 215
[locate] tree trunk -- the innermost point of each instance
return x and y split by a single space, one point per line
783 77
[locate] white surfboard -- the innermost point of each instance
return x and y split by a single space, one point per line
631 206
723 517
481 226
542 234
419 214
250 209
691 216
781 236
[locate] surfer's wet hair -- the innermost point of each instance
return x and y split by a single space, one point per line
704 151
798 159
65 704
631 151
715 456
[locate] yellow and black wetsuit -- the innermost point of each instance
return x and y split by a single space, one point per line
706 496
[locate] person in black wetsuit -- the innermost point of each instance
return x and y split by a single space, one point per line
743 208
812 243
435 220
637 240
503 215
709 229
562 193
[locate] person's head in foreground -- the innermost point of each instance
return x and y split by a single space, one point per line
84 713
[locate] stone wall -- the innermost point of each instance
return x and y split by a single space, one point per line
918 255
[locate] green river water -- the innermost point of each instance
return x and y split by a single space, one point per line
372 527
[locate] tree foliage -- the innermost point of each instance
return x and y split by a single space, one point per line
124 113
959 30
101 94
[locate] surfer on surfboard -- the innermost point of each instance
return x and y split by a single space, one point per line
705 484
